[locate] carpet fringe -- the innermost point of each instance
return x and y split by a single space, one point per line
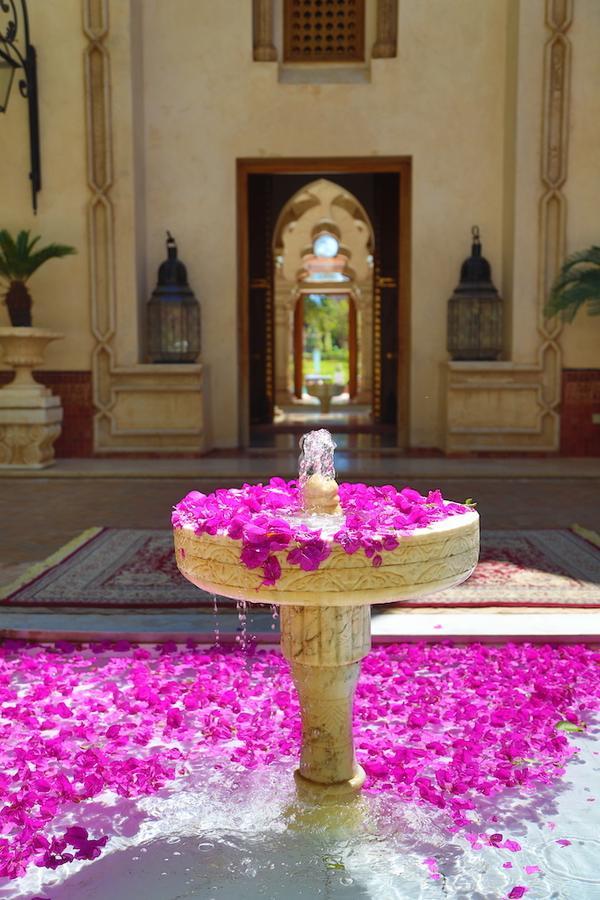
54 559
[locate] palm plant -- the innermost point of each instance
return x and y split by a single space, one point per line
18 262
578 282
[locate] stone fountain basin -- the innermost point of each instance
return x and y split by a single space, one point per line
427 560
325 624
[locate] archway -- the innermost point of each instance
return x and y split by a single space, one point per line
323 249
382 185
350 358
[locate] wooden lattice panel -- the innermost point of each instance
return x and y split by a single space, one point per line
324 30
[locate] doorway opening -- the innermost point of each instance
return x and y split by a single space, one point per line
324 290
323 372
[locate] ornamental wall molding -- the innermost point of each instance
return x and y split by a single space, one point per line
553 202
139 407
386 42
531 420
263 48
100 212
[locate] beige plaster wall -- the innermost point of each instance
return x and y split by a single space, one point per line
206 103
60 288
187 100
581 340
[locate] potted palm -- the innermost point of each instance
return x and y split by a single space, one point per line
577 283
19 259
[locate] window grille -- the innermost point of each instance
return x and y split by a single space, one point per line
324 30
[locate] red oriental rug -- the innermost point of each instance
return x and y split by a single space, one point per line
135 569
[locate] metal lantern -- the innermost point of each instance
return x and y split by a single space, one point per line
173 314
17 55
475 310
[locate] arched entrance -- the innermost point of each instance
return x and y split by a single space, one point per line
299 340
323 296
274 196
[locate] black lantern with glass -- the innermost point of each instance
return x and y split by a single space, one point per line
475 310
173 314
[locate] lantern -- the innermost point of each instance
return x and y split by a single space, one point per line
475 310
173 314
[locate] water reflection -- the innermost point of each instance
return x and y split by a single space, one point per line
222 836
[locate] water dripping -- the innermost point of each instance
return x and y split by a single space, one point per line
274 616
242 636
216 618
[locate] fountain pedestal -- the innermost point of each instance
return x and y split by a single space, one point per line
324 645
324 588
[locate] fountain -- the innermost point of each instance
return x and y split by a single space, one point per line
327 553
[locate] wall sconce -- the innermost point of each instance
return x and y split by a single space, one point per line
16 52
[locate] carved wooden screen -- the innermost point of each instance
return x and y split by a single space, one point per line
324 30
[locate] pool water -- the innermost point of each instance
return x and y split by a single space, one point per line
228 836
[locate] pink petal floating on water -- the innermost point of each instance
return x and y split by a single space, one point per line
513 846
563 842
433 868
453 725
531 870
519 890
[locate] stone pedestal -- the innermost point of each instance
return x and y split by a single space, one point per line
30 415
325 390
324 646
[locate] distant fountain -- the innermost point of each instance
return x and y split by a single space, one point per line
329 565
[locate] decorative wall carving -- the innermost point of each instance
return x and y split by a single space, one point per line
139 407
495 406
505 405
553 202
262 20
100 210
385 46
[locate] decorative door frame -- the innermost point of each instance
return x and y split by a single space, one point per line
401 165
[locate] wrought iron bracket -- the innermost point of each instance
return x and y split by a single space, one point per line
17 51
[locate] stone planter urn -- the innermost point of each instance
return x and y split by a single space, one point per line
30 415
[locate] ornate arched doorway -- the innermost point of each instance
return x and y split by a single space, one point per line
274 194
299 342
323 262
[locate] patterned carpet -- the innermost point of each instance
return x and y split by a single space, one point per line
135 569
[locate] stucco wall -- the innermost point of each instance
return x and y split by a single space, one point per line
187 100
60 288
581 339
206 103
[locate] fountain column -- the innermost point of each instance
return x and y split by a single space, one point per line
324 645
